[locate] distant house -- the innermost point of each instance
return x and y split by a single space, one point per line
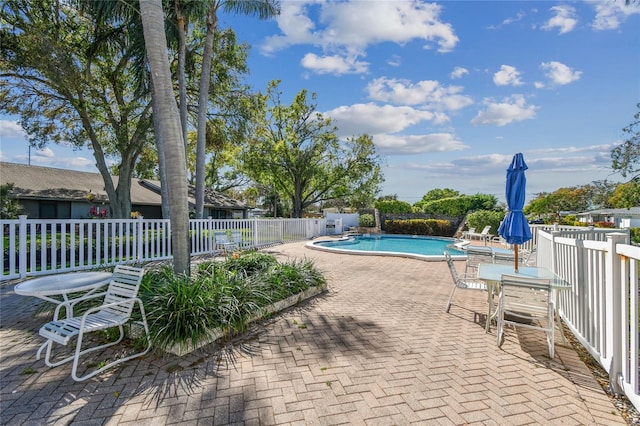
621 218
50 193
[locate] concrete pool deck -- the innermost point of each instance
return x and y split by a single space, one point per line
377 348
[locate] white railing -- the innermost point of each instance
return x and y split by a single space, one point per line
33 247
602 309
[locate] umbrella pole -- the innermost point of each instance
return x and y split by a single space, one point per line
515 249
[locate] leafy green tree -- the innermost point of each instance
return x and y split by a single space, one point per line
600 194
168 128
626 157
264 9
438 194
457 205
393 206
296 151
626 195
574 199
9 208
68 87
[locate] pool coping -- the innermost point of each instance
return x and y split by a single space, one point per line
427 258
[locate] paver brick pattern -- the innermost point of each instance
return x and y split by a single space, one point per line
377 348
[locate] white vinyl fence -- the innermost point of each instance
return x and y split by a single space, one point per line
33 247
602 309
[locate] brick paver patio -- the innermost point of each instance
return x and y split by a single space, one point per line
376 349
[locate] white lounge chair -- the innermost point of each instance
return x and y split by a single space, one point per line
526 302
462 281
483 235
115 311
465 234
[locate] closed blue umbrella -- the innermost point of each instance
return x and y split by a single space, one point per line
514 228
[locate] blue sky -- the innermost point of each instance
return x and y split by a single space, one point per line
448 90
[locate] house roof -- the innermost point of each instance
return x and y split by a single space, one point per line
48 183
630 212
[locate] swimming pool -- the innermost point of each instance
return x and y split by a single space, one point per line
419 247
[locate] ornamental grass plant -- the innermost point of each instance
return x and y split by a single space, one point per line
220 297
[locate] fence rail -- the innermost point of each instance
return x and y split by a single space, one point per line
602 309
34 247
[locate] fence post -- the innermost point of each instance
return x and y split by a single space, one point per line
22 246
255 232
614 311
140 239
211 247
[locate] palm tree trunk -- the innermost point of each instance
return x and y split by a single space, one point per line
168 129
205 79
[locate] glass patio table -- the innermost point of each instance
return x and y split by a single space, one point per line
492 273
53 287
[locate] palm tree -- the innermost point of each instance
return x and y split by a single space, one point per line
264 9
168 128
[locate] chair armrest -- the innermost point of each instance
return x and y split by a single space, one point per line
109 305
69 304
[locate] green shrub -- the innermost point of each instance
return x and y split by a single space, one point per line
393 206
482 218
180 311
185 311
366 220
635 235
457 206
437 227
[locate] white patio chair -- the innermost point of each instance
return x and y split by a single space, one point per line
222 242
526 302
475 256
115 311
462 281
236 239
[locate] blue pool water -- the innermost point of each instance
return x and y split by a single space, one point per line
428 248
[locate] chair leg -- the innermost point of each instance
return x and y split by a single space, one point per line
79 352
74 369
47 358
451 298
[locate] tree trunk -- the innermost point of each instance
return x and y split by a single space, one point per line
162 164
169 130
203 102
182 80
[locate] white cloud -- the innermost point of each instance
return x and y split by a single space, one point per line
333 64
347 28
417 144
394 61
427 93
610 14
576 149
458 72
507 76
374 119
560 73
564 19
508 111
517 18
11 130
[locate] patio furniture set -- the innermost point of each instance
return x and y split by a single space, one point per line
527 295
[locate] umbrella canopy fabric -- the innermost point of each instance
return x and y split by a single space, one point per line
514 228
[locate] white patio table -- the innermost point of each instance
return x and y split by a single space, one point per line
63 285
492 273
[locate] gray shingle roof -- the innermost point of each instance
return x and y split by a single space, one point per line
48 183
